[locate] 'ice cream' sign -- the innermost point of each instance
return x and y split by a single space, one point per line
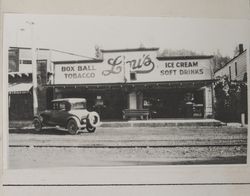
182 68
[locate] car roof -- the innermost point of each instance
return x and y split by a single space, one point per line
70 100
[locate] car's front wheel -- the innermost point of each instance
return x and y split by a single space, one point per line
72 127
37 124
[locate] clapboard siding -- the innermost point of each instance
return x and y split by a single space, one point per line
241 62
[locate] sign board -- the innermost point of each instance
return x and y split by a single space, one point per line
133 67
88 73
175 70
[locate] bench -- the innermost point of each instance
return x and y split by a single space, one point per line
136 113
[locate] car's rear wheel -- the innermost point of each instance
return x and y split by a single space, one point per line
72 127
37 124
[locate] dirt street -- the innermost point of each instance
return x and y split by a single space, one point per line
128 146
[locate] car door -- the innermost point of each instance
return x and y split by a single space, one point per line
60 116
52 117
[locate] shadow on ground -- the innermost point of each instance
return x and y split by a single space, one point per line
47 131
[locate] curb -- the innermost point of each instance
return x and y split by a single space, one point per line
130 124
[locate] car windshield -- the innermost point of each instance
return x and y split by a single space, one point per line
78 106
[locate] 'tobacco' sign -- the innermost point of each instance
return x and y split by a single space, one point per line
91 73
116 68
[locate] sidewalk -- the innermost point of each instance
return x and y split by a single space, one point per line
139 123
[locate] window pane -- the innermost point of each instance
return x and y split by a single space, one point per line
80 105
236 71
62 106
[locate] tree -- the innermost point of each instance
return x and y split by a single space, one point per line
231 99
182 52
219 61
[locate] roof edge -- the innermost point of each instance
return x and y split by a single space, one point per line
27 48
162 58
130 50
79 61
231 60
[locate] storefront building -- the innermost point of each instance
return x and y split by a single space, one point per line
138 80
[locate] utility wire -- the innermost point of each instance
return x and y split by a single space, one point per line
73 54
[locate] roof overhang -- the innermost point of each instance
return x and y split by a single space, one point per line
21 88
141 85
19 74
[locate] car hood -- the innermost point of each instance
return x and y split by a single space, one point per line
79 113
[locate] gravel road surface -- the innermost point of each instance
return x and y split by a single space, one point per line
128 146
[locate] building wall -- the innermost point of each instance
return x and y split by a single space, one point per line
23 59
20 62
241 62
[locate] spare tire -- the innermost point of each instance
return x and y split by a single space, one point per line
93 119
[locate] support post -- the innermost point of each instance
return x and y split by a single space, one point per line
208 102
243 123
34 69
132 100
139 100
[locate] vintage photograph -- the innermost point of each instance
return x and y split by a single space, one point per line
125 91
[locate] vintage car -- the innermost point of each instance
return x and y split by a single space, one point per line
69 113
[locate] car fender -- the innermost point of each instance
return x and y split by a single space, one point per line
76 119
39 117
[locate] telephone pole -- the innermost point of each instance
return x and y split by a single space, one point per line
34 67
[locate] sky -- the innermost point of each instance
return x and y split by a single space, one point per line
80 34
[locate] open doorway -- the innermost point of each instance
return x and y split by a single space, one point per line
174 103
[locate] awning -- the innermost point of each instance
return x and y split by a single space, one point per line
20 74
139 85
21 88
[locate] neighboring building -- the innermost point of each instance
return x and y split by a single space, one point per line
233 106
236 68
136 79
20 80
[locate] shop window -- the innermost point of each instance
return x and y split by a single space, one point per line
25 62
132 76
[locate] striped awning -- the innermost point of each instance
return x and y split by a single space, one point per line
21 88
20 74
